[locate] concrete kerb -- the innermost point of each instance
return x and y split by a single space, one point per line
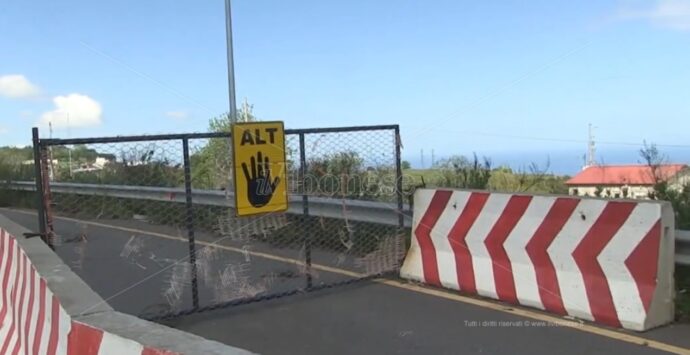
75 296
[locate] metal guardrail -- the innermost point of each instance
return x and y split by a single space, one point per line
355 210
362 211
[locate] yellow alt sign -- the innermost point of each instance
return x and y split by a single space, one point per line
260 167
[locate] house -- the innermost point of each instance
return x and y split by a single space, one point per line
97 165
31 162
626 181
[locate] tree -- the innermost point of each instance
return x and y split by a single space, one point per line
458 171
654 160
212 163
16 155
12 163
338 174
679 198
405 165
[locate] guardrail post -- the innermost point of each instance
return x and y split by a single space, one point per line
305 207
190 221
40 206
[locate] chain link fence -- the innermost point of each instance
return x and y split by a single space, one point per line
163 206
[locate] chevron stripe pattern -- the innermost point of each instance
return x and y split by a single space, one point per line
593 259
33 322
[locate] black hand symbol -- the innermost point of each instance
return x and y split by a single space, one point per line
260 188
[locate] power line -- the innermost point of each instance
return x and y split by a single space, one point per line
563 140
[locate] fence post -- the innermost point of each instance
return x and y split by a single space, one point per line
190 220
38 172
398 179
305 207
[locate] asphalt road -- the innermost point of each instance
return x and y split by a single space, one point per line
365 318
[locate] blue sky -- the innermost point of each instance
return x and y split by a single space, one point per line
516 80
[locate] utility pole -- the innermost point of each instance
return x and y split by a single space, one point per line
591 148
433 158
422 152
231 63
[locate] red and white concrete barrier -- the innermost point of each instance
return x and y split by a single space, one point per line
34 322
86 340
607 261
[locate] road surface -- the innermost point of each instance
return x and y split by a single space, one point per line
387 317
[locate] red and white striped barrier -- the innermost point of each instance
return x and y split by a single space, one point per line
87 340
606 261
33 321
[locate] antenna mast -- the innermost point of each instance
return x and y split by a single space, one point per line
591 148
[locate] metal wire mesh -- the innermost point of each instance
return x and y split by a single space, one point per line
105 201
351 166
134 164
144 186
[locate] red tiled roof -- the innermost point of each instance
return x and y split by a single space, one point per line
623 174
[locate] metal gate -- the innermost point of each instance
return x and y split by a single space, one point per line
345 222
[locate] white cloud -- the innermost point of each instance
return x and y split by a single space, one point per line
17 86
177 115
73 110
3 130
672 14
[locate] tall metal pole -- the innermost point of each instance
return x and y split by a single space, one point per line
231 62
